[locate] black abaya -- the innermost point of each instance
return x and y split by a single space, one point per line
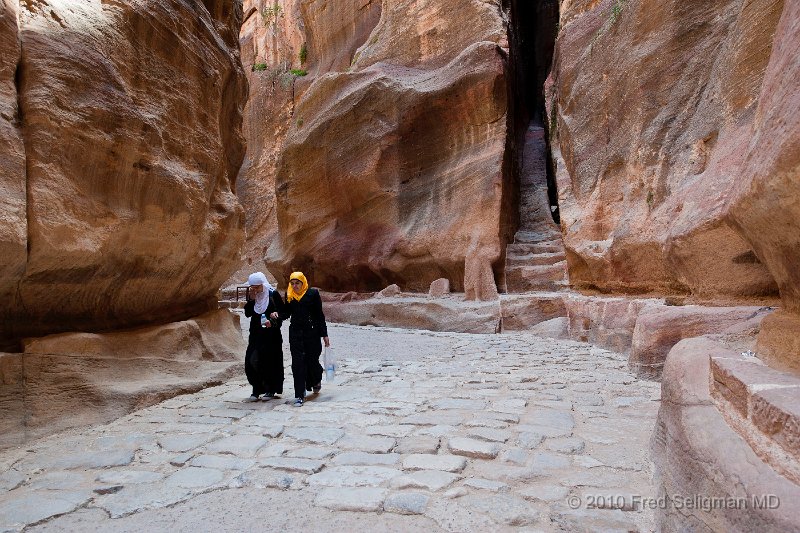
306 331
263 362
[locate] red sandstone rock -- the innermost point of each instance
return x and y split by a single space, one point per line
270 40
391 171
439 288
776 412
658 329
606 321
98 377
696 452
653 153
766 209
440 314
388 292
130 114
736 380
524 311
779 341
13 223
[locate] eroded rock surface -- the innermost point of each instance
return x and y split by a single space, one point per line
657 156
13 221
131 118
726 430
99 377
387 167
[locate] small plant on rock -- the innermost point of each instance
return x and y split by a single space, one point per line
298 72
616 11
258 67
303 54
271 14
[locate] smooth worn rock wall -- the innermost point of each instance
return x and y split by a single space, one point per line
270 42
13 222
96 378
701 452
392 167
131 118
654 110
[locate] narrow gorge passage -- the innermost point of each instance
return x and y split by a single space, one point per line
535 260
420 431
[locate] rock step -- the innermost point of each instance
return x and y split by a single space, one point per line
536 277
534 237
517 260
549 247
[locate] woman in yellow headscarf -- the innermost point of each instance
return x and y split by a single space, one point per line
304 306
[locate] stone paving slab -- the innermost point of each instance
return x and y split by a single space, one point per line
364 458
135 498
184 442
352 499
493 432
318 435
294 464
446 463
475 448
238 445
33 506
432 480
195 478
406 502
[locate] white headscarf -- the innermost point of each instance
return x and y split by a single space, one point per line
262 300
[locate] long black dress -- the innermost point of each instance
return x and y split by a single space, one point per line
305 333
263 361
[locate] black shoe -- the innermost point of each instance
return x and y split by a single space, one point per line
317 387
298 402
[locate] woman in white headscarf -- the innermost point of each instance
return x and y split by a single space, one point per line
263 361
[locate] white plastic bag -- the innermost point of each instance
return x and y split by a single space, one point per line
329 363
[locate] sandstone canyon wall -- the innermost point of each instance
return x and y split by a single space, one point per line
391 165
653 111
270 41
675 131
120 130
120 140
13 219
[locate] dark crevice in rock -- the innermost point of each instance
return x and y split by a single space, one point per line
533 28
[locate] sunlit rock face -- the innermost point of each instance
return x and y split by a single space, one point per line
131 118
666 150
391 167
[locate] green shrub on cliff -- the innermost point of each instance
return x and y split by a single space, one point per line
303 54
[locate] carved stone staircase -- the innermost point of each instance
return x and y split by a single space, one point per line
535 261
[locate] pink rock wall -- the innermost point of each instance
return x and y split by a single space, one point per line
388 165
677 139
652 106
131 118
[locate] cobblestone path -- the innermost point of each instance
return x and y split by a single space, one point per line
421 431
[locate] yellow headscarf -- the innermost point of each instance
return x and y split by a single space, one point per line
290 294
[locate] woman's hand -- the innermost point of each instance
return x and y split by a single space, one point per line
274 315
327 342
